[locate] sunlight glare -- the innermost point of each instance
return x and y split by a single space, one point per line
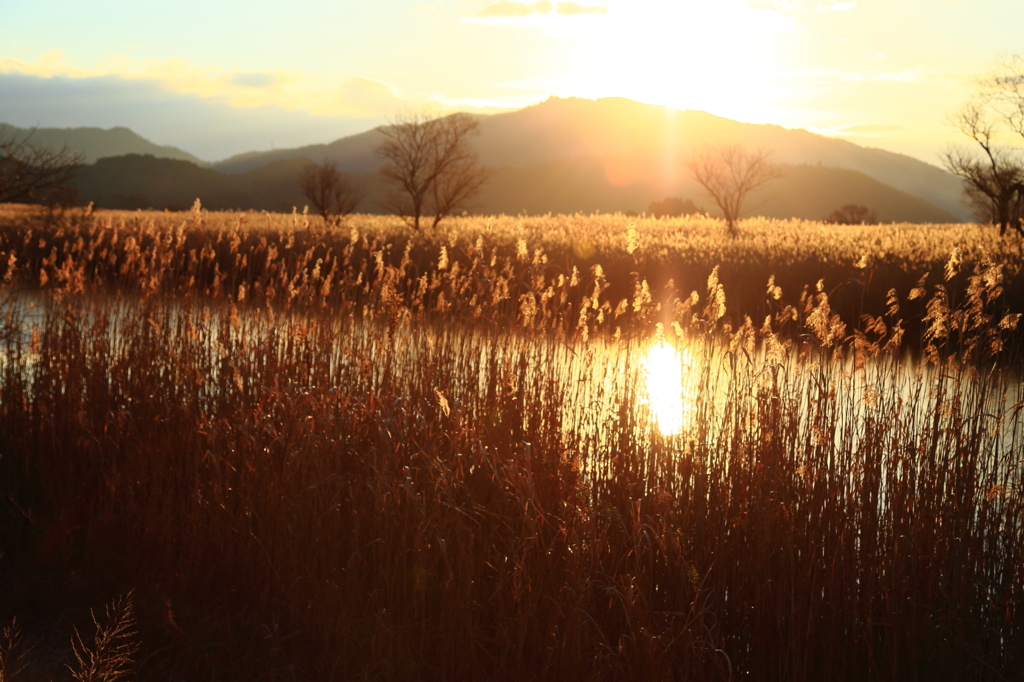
665 369
720 56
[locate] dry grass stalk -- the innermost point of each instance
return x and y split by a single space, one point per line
449 473
110 655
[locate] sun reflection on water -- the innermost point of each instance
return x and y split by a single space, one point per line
666 370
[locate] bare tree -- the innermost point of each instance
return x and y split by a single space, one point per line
729 174
430 164
331 194
993 171
34 174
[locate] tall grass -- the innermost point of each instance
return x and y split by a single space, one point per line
414 463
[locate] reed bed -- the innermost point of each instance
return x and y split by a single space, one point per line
500 270
377 455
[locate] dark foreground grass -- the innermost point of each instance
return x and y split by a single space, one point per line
375 492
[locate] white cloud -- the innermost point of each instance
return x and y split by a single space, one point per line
289 89
209 128
206 110
508 8
837 7
570 8
252 79
530 13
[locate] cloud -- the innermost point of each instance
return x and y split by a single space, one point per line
290 90
870 128
254 80
211 129
570 8
513 12
508 8
837 6
209 112
361 95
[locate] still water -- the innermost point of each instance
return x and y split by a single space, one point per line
681 397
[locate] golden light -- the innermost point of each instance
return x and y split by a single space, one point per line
666 370
722 56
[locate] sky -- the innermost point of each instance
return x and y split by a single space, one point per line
221 77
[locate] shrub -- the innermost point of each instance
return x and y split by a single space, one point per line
671 207
852 214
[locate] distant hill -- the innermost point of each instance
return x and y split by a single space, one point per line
138 181
96 143
587 185
353 154
144 181
561 186
813 192
646 144
560 156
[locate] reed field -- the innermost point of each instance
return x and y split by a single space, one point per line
240 446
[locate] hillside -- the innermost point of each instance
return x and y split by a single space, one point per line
96 143
649 142
562 186
144 181
353 154
813 192
587 185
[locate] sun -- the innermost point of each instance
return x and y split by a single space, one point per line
721 56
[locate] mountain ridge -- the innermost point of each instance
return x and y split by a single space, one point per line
96 143
581 185
624 149
655 139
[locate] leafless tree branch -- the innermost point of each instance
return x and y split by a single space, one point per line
34 174
330 193
993 173
430 165
729 174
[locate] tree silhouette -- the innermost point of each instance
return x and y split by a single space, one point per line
993 171
852 214
331 194
35 174
674 206
729 174
430 165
